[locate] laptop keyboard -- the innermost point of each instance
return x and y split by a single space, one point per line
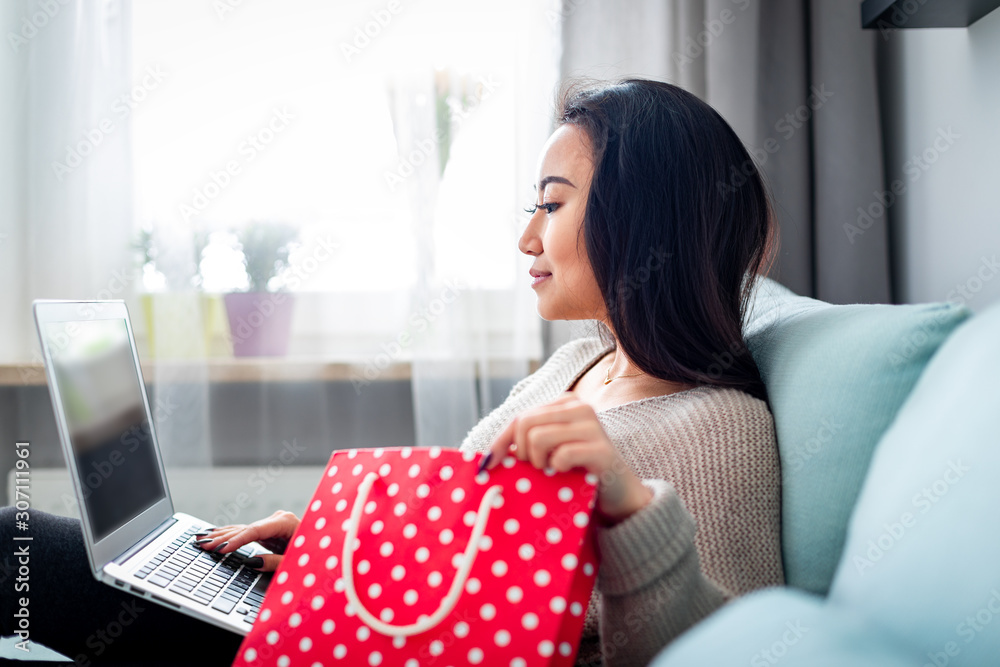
207 578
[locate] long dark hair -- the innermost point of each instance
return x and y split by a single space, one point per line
678 226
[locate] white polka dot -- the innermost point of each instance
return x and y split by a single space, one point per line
529 621
538 510
328 626
337 487
508 461
356 470
320 522
549 471
553 535
300 540
309 580
497 502
515 594
475 656
339 585
488 612
353 453
588 569
332 471
399 509
399 642
370 507
398 572
272 637
485 543
317 603
434 452
499 568
518 662
523 485
283 661
542 578
469 518
569 562
386 549
434 513
413 471
557 605
423 491
473 586
457 560
283 577
324 542
384 469
305 644
250 654
461 629
315 505
339 651
526 551
591 478
422 555
266 614
502 638
510 526
364 566
287 597
410 597
377 527
446 536
437 647
546 648
446 472
387 615
565 649
434 579
405 452
392 490
331 562
375 658
377 454
580 520
363 633
409 531
457 495
374 590
341 505
483 477
345 525
468 455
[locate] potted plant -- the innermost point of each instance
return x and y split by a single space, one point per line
260 319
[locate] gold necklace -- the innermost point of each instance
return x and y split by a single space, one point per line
608 378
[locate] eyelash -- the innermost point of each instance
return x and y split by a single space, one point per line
549 208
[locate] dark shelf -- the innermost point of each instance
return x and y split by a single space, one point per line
924 13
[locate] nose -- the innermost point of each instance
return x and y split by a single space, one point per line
530 242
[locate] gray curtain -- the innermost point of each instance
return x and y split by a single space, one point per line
797 81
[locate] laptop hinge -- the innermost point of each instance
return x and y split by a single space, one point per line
138 546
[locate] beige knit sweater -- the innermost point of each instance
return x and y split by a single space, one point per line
712 530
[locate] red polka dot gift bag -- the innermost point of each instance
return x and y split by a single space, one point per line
408 558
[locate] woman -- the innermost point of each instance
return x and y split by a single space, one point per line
636 226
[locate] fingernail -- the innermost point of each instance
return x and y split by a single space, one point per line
207 539
485 461
216 549
254 562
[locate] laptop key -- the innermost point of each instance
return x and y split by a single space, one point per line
157 580
224 605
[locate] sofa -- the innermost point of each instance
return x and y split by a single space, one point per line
888 426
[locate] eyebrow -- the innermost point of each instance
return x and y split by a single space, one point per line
554 179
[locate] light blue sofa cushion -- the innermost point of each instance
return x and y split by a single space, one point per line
836 376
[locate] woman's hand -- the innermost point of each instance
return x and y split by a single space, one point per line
271 533
566 434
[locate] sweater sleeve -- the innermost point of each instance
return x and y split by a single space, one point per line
650 580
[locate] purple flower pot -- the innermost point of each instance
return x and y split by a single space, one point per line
260 323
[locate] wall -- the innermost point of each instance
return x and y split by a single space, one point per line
941 97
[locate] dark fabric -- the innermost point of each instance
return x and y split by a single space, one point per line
74 614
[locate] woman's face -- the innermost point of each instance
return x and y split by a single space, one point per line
561 273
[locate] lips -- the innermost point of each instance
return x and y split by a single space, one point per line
538 276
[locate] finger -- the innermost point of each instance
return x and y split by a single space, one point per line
567 412
269 562
542 440
501 444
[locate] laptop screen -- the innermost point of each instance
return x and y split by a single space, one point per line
106 418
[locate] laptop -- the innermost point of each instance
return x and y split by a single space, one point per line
134 539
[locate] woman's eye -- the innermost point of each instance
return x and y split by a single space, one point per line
548 208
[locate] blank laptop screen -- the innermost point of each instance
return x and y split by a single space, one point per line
102 399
